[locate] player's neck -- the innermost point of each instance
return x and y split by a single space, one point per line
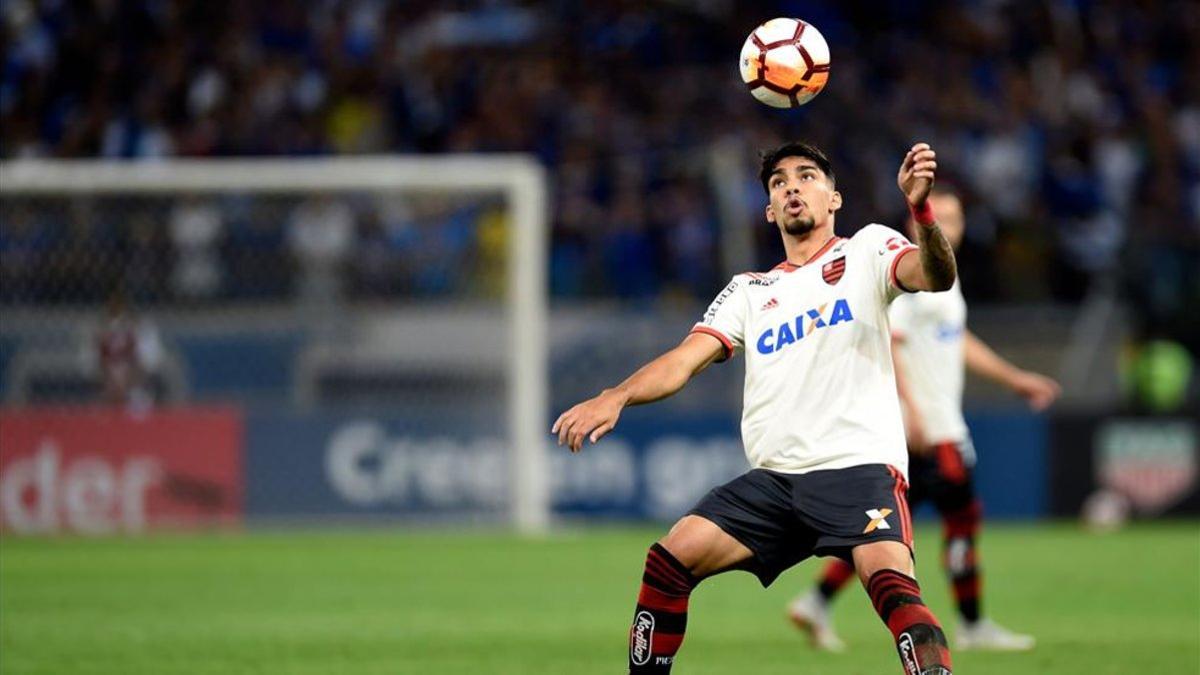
800 248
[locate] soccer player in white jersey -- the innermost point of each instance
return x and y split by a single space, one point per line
821 422
931 346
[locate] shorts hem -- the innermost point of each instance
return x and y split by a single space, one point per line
840 547
760 569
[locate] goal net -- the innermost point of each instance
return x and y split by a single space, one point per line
378 320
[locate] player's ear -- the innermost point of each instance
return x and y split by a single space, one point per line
836 202
770 214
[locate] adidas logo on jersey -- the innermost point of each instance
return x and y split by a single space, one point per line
773 339
771 304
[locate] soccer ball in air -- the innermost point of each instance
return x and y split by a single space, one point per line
785 62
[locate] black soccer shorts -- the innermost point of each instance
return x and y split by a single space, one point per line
943 476
784 518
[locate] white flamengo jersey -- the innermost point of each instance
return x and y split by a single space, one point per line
930 328
820 389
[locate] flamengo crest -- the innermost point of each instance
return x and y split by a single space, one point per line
833 270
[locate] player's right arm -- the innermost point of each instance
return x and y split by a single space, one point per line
914 429
716 337
660 378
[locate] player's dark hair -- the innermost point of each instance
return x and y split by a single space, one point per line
770 158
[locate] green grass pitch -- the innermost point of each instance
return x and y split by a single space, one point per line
433 602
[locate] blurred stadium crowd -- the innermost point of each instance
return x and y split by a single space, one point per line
1072 125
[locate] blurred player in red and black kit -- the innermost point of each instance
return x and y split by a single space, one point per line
931 345
127 351
821 420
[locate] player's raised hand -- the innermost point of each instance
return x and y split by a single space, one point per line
589 420
917 172
1038 390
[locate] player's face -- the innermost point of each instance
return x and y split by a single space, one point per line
948 211
802 197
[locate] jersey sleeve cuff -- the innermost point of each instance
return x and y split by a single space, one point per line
725 341
895 280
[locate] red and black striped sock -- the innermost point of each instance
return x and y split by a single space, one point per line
961 560
919 637
661 616
834 577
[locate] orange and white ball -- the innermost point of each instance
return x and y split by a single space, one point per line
785 62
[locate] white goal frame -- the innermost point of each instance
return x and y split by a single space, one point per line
520 178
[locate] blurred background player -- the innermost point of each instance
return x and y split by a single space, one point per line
127 350
930 346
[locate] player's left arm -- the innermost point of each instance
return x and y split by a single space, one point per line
934 268
1037 389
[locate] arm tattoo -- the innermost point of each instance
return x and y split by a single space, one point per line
937 258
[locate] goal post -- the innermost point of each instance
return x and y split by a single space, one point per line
519 179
